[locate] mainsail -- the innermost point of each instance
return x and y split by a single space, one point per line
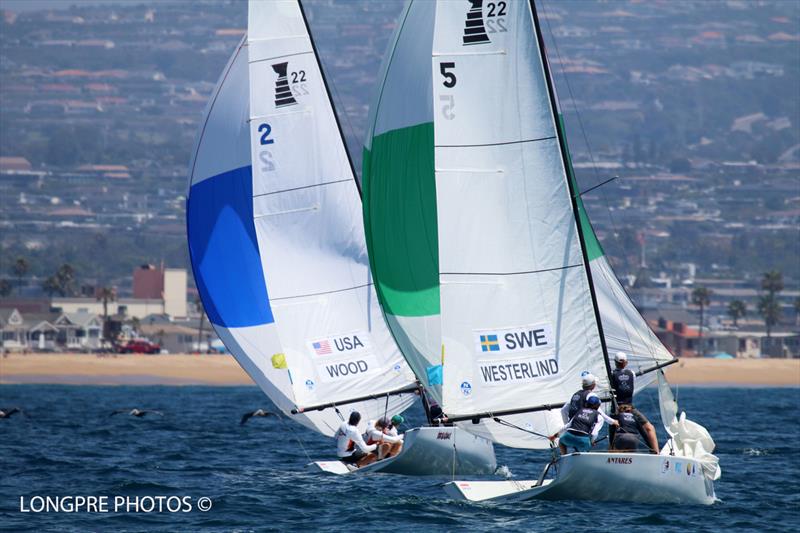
275 232
481 249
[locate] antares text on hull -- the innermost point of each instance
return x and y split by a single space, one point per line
491 277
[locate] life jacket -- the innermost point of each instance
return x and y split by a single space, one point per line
627 423
582 423
622 383
577 402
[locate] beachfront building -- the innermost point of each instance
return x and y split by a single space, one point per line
13 334
79 331
36 331
156 291
174 338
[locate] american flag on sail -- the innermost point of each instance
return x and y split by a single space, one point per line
322 348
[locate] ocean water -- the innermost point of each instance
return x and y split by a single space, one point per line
68 445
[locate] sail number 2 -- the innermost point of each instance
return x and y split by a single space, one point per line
265 156
264 130
446 69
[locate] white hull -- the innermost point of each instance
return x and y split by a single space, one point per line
629 477
429 451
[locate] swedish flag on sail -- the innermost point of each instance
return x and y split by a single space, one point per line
489 343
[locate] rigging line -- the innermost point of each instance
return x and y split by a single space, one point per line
590 189
594 165
514 426
300 442
320 293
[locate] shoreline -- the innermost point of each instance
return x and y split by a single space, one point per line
223 370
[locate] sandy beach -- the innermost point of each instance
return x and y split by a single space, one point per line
78 369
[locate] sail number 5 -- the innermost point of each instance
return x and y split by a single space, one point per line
449 77
446 69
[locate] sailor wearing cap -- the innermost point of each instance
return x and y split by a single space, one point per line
383 432
578 400
581 431
622 380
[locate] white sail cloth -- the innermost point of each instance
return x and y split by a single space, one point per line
275 232
518 324
687 438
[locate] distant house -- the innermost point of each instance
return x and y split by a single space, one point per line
781 345
173 338
13 334
49 331
14 163
79 331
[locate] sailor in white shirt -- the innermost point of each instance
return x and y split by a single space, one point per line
350 445
383 432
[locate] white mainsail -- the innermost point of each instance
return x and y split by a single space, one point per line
472 230
275 233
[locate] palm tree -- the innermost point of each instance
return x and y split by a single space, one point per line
768 306
770 310
65 276
19 269
199 305
737 309
701 297
50 286
772 282
106 294
797 311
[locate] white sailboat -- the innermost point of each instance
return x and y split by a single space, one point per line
277 245
484 259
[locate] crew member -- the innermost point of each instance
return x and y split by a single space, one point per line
623 384
632 424
350 445
578 400
622 380
582 429
388 441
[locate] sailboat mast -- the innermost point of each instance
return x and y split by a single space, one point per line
330 97
562 141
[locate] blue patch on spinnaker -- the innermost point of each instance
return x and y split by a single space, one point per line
224 250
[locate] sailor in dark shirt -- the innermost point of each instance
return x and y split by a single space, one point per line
622 380
578 400
623 383
632 426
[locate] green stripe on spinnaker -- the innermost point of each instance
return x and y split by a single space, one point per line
399 198
593 248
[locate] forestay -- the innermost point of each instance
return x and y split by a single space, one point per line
275 236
